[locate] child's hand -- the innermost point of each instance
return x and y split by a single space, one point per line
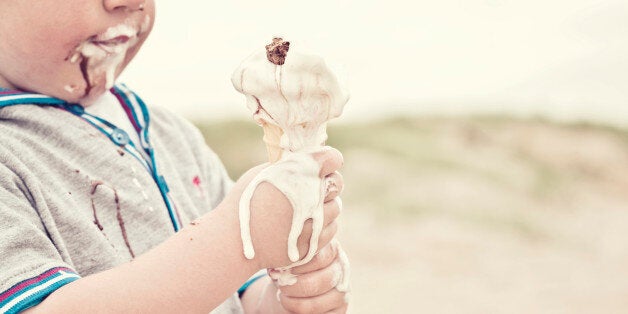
315 290
271 213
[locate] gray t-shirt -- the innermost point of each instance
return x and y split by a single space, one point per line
72 203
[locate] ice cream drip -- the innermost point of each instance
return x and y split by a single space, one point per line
100 56
340 268
292 96
283 276
343 272
296 176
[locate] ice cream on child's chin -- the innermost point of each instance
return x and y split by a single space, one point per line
291 95
100 56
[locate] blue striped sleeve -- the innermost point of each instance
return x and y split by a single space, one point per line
32 291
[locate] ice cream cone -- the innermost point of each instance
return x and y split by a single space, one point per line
272 136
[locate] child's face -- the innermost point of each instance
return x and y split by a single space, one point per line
70 49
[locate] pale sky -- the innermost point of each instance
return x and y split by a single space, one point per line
563 58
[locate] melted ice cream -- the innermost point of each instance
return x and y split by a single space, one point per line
341 272
296 176
299 97
344 271
283 276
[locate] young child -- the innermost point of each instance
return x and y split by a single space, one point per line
108 206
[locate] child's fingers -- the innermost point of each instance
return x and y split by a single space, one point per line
329 301
330 160
314 283
328 233
334 185
321 260
340 310
331 211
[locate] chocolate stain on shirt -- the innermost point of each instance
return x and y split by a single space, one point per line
95 185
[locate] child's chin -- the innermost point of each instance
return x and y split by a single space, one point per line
78 96
93 95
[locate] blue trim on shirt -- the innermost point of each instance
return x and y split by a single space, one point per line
45 290
248 283
29 98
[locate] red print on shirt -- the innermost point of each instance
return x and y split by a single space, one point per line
197 183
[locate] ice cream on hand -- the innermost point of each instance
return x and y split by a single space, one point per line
292 95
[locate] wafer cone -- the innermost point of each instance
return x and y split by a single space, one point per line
272 136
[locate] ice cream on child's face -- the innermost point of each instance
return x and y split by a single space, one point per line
101 56
70 49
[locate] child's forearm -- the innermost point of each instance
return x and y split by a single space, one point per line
193 271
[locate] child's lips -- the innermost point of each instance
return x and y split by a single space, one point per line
114 45
119 40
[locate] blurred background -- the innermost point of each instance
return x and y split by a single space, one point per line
486 141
